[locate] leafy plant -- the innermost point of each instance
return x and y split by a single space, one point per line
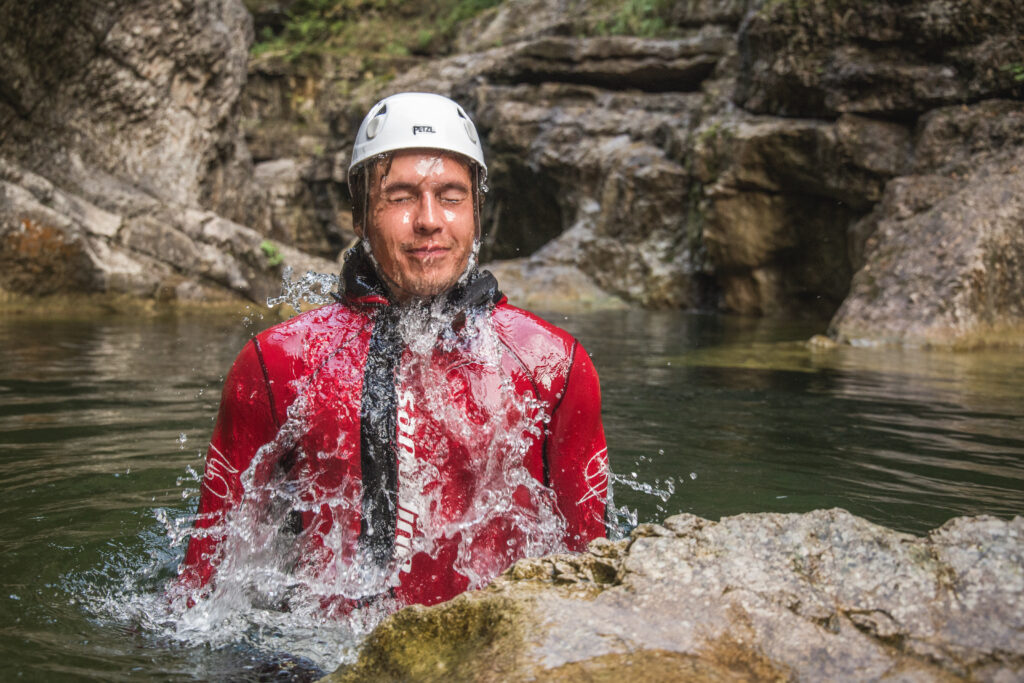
641 18
375 30
1016 70
273 254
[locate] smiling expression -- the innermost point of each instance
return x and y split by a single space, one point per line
421 222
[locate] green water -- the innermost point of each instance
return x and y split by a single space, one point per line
736 413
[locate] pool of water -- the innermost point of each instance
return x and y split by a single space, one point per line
100 421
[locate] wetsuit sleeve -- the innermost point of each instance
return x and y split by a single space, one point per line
244 423
577 454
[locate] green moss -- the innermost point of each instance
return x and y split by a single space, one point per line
375 30
273 254
644 18
474 637
1016 70
710 133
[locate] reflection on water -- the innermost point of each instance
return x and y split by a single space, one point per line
713 415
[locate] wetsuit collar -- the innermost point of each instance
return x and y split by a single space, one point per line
362 285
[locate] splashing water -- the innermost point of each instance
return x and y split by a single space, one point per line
312 287
278 590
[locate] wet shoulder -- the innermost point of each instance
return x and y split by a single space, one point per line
544 349
307 337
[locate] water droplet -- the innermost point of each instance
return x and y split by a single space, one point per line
693 475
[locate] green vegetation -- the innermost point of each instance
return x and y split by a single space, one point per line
1016 70
379 32
376 31
273 254
645 18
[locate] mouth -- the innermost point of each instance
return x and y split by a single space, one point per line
427 251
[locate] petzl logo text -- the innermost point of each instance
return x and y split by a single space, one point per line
422 129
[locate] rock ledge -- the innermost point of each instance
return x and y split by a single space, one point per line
818 596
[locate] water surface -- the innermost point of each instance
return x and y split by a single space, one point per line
100 421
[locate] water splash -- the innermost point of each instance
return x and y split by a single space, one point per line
313 287
316 599
667 487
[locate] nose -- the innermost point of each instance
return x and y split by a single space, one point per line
429 216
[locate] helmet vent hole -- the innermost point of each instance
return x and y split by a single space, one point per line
374 127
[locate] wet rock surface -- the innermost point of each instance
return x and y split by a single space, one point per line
818 596
752 183
121 161
774 157
944 256
55 242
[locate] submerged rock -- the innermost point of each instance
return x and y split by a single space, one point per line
817 596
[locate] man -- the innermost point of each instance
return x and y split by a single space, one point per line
421 434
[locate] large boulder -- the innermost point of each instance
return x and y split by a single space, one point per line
818 596
944 263
53 242
103 94
121 160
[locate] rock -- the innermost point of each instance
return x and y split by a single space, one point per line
780 194
945 263
822 595
534 286
145 92
822 58
122 163
616 62
54 242
299 210
944 260
525 20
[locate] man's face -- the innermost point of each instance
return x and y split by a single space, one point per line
420 222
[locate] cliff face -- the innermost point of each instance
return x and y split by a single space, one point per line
121 159
819 596
763 157
772 157
99 94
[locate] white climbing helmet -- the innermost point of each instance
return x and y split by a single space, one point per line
416 120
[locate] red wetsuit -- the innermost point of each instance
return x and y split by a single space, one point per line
444 431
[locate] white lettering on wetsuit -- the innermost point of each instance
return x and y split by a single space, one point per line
218 469
595 474
408 496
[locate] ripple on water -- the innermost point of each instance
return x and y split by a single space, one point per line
91 413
